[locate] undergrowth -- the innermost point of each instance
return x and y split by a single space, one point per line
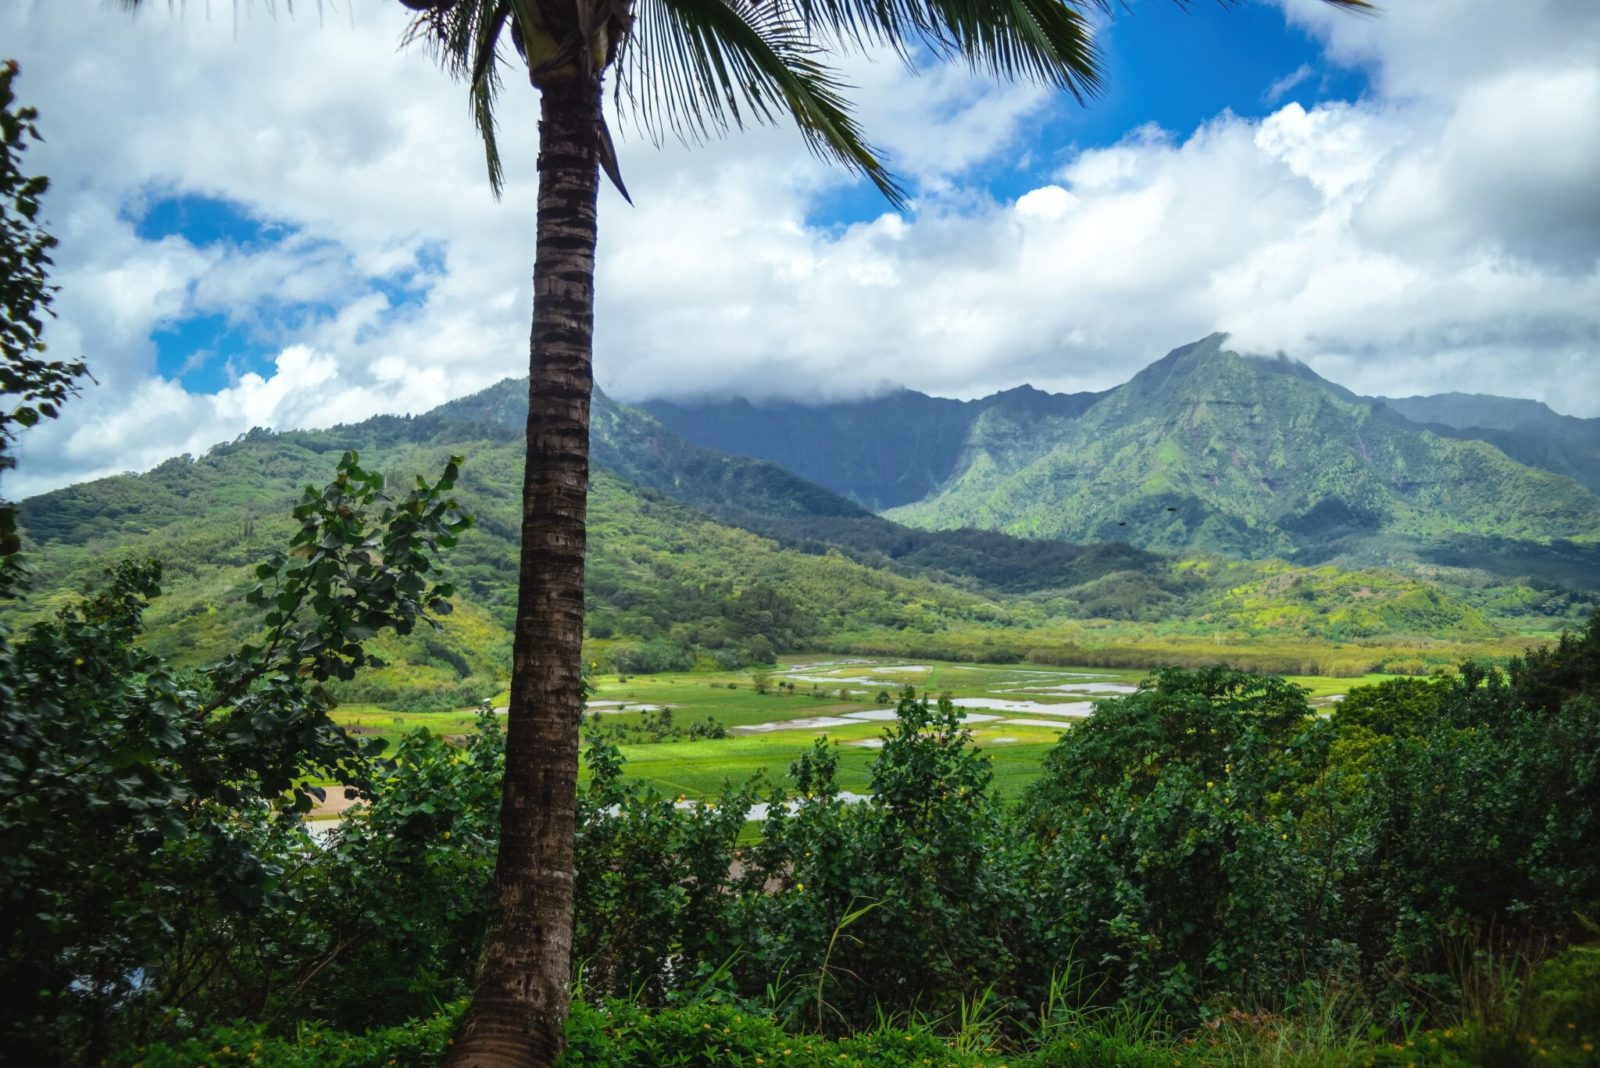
1517 1014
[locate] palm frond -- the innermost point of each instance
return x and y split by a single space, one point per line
697 67
484 86
464 37
1043 40
1047 41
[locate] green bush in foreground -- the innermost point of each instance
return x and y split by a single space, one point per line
1559 1015
414 1044
182 792
1207 856
620 1035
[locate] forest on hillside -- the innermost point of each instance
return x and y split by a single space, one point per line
1208 871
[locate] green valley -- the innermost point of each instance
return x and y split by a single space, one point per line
702 560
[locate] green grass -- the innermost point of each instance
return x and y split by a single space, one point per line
375 721
699 769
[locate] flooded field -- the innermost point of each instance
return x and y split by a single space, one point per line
1015 712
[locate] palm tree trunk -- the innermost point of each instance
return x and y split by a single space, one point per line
520 1002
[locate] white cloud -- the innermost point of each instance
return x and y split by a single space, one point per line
1436 50
1440 233
1284 85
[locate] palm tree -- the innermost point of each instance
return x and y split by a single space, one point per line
690 68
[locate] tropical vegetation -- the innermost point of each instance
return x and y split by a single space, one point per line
1209 869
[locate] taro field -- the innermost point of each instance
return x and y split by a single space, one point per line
766 717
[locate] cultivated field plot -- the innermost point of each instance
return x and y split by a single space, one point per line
1015 711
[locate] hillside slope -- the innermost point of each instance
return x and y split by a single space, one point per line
1525 430
1213 450
672 585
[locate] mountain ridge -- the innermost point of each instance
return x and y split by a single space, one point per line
1528 431
908 440
1330 474
670 584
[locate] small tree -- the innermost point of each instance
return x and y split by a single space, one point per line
1172 814
32 386
172 783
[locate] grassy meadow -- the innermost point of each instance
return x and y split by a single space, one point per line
810 696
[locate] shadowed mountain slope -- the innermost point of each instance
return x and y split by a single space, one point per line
1525 430
881 452
1209 450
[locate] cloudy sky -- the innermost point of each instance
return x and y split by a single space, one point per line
283 221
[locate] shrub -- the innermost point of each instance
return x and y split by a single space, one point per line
419 1043
1476 821
402 888
1168 826
650 900
183 791
925 866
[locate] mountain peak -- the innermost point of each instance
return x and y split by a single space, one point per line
1210 345
1195 354
1024 390
1210 359
1178 367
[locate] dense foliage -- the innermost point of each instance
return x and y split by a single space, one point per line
32 387
1208 873
182 789
1208 854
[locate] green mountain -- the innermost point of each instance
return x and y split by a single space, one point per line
1525 430
701 557
767 499
880 452
667 584
1208 450
1213 450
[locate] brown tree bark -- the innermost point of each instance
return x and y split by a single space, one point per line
519 1004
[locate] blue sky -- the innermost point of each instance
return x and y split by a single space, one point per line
285 222
1166 66
1178 67
210 350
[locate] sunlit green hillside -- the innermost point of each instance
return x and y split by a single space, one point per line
762 563
1212 450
